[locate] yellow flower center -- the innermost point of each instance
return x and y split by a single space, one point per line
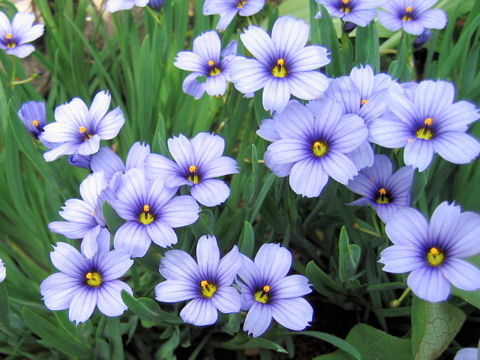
407 16
214 71
82 129
280 70
241 4
94 279
435 257
319 148
363 102
8 36
382 197
346 9
208 289
262 295
35 123
146 216
425 132
193 175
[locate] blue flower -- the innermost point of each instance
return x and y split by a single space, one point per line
108 162
116 5
78 129
426 121
385 191
84 283
207 60
268 292
33 116
313 146
197 163
155 4
207 284
85 217
78 160
151 212
433 253
359 12
15 36
283 65
227 9
467 354
414 16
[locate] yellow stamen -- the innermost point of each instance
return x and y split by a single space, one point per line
208 289
92 213
382 191
435 257
146 217
410 140
364 101
94 279
409 9
262 295
192 174
211 63
408 16
35 123
215 71
383 198
192 169
280 70
319 148
428 121
345 1
241 4
346 9
424 133
82 129
8 36
11 45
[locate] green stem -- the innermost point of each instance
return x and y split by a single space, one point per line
25 81
14 70
396 303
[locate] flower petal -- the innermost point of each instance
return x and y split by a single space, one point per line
171 291
429 284
409 228
258 319
133 238
199 312
210 192
227 300
295 314
110 301
308 177
82 305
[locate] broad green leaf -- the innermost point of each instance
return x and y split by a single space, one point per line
322 283
247 241
434 326
372 344
348 256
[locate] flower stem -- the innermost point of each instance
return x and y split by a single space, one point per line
14 70
396 303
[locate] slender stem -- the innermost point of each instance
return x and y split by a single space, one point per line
396 303
356 226
25 81
14 70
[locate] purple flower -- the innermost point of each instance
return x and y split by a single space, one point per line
151 212
116 5
268 292
84 283
85 217
207 60
197 163
82 161
427 121
107 161
433 253
414 16
78 129
207 284
467 354
33 116
3 271
359 12
312 146
15 36
227 9
155 4
385 192
283 64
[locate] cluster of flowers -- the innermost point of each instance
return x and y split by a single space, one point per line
142 192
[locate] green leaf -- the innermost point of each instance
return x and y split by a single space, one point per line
434 326
372 343
247 241
243 341
148 310
111 218
322 283
348 256
55 336
334 340
3 305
